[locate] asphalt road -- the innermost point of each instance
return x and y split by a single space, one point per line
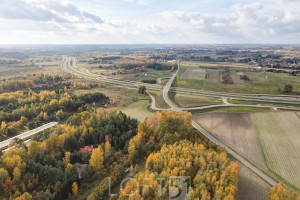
26 135
264 98
248 164
67 66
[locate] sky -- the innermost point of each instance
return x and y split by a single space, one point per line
149 22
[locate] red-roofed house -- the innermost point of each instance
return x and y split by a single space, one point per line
86 149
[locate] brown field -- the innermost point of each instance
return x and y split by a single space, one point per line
236 78
218 64
194 74
131 77
250 186
279 134
213 77
235 130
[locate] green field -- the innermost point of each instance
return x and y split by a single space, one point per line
240 109
259 82
232 101
138 110
159 100
278 133
129 100
155 74
188 100
124 96
164 81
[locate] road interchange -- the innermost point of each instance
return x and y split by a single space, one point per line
168 87
287 100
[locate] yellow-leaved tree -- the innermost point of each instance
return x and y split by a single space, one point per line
107 147
96 161
74 188
279 191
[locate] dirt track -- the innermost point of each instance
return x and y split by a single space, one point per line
235 130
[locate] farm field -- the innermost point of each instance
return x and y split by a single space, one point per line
251 187
236 78
188 100
216 64
194 74
235 130
279 135
238 109
127 77
138 110
233 101
260 82
213 77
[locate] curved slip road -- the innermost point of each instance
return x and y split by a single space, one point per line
248 164
166 90
267 98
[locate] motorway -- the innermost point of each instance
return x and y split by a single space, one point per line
252 167
264 98
280 98
68 67
24 136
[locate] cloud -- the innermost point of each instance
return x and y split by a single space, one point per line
21 21
51 10
140 2
294 1
248 22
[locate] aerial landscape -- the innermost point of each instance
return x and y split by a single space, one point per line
140 99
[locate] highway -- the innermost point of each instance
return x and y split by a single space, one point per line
263 98
24 136
248 164
278 98
68 67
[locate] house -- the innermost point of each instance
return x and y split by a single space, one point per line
86 149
